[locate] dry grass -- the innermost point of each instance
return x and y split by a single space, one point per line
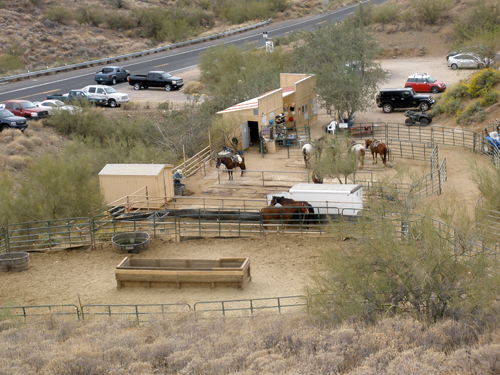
192 87
9 135
14 162
267 344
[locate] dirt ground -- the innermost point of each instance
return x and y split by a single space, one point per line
280 266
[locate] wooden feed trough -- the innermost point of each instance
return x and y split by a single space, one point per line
174 272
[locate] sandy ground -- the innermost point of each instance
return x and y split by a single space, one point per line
280 265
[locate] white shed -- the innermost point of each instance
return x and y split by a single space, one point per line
137 184
330 199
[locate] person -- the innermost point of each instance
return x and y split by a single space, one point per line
178 177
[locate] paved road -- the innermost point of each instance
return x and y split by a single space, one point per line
38 88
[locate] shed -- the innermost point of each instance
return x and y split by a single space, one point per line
137 184
330 199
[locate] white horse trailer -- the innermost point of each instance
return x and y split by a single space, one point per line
327 199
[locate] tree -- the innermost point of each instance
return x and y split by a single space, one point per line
335 158
417 269
343 59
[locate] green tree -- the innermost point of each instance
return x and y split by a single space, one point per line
335 158
343 59
412 268
228 73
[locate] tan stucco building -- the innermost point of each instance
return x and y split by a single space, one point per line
295 101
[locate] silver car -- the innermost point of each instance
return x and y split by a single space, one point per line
468 60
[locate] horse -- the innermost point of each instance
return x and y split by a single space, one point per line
287 202
359 151
316 177
282 214
307 151
377 147
232 163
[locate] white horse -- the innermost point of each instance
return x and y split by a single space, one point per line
307 151
359 151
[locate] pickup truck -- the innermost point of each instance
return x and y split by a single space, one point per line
77 96
26 109
112 97
9 120
156 79
111 75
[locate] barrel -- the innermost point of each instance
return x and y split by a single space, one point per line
16 262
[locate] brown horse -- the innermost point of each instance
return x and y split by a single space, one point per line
282 214
316 177
377 147
311 217
232 163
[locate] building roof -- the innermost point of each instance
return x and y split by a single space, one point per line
132 169
253 103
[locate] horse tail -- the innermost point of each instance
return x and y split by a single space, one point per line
385 156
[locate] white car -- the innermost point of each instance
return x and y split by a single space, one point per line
53 105
113 98
2 106
468 60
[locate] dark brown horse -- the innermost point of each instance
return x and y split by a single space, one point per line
282 215
377 147
287 202
232 163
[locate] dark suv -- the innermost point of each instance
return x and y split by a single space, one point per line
390 99
9 120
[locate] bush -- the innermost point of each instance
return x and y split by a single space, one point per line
9 63
120 21
428 274
192 87
385 14
489 99
58 14
483 18
430 11
89 15
236 12
482 82
465 116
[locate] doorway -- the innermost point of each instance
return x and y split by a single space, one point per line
254 132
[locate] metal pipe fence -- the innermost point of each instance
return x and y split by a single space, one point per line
35 313
141 313
272 178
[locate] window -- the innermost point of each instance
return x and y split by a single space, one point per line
92 89
100 91
9 106
17 107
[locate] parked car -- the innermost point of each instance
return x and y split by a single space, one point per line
390 99
113 98
156 79
53 105
468 60
111 75
9 120
27 109
475 50
422 82
77 96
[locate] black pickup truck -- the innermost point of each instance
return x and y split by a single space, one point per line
78 96
156 79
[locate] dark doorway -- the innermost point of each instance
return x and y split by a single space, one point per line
254 132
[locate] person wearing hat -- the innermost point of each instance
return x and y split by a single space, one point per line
178 177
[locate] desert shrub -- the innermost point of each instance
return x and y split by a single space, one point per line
430 11
279 5
119 4
59 14
192 87
120 21
26 142
458 90
36 140
9 135
15 148
489 99
236 12
428 274
385 14
466 116
17 161
129 106
482 82
9 63
449 105
165 106
87 14
480 18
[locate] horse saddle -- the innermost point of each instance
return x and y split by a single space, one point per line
375 143
236 159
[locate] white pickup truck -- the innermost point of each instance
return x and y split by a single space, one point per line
112 97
